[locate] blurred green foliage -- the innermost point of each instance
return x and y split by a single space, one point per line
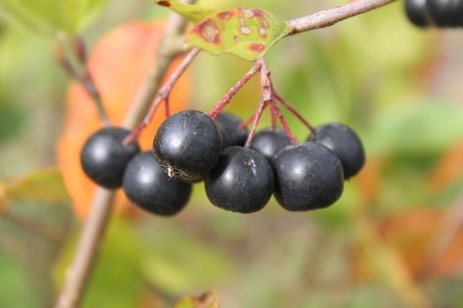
374 72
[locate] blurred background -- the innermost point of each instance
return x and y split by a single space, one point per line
393 239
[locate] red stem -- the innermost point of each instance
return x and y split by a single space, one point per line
257 116
295 112
273 117
226 99
268 93
282 119
163 94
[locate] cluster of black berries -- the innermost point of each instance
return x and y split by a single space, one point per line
189 147
439 13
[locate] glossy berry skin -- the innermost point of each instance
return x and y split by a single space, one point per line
104 157
229 126
446 13
148 186
270 141
308 176
345 143
187 145
241 181
417 12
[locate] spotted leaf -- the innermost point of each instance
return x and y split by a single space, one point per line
244 32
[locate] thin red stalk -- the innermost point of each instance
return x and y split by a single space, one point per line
257 116
295 112
282 119
273 117
167 107
250 119
163 94
268 93
226 99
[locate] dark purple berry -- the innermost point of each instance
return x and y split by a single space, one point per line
187 145
307 177
148 186
417 12
446 13
232 134
241 181
104 157
270 141
345 143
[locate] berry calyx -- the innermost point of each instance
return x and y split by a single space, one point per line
345 143
104 157
270 141
148 186
230 127
308 176
187 145
241 181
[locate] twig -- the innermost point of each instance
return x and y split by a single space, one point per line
328 18
93 230
81 75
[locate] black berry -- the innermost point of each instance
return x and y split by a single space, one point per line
104 157
187 145
308 176
232 134
241 181
446 13
270 141
147 185
345 143
417 12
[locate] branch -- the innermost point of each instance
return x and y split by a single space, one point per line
328 18
93 230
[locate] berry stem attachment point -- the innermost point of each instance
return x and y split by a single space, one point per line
226 99
268 96
163 94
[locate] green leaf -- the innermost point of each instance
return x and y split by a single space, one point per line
190 11
244 32
208 299
49 16
42 185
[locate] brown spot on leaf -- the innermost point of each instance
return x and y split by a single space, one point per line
257 47
163 3
225 15
262 32
208 30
